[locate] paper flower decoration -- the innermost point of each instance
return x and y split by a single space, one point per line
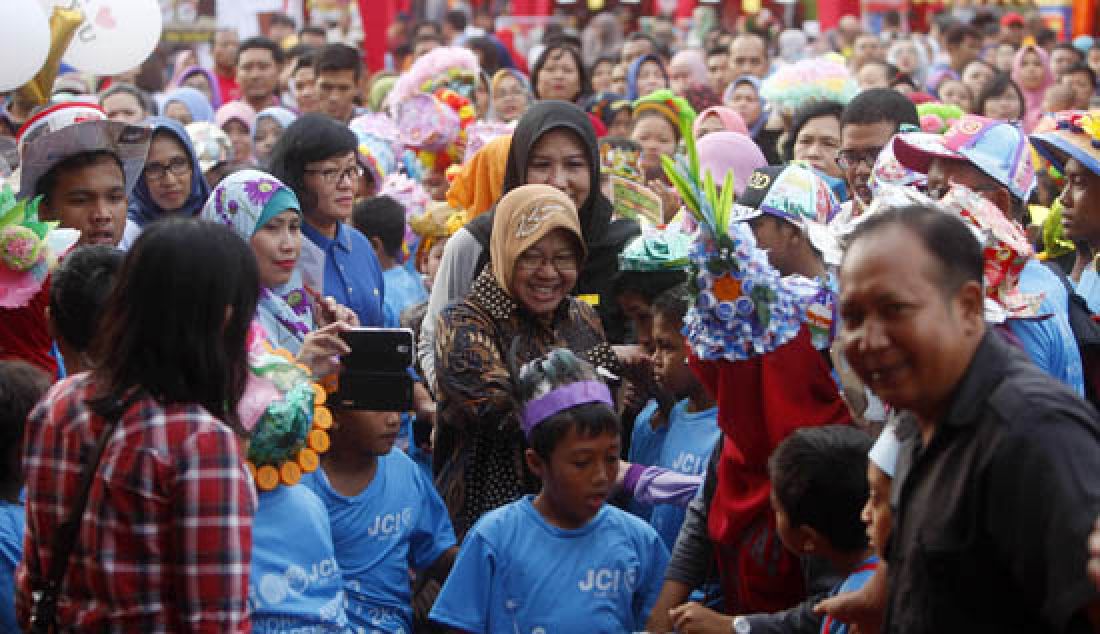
292 422
29 248
657 249
936 117
794 84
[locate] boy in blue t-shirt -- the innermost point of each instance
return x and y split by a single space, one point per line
693 423
562 560
382 220
386 517
21 385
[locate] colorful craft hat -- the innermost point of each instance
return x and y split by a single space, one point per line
888 170
997 148
29 248
619 156
70 128
810 79
481 132
671 106
936 117
1076 135
211 144
657 249
375 155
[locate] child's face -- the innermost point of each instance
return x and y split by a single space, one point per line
369 433
672 373
876 513
793 539
640 314
578 477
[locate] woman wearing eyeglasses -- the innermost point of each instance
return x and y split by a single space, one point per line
518 309
172 183
315 157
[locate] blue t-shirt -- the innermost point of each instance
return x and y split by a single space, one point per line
1049 342
518 573
851 583
403 289
295 583
351 273
691 437
1088 287
11 551
645 449
396 522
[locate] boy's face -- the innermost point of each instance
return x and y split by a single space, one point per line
876 513
669 358
793 538
370 433
640 314
578 477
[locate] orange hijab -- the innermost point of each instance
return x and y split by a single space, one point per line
480 182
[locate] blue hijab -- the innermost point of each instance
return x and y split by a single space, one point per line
765 112
195 102
143 209
635 68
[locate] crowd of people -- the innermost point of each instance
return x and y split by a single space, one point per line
750 330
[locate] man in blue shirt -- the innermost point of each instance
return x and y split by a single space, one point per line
351 274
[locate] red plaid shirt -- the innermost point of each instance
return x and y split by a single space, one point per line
165 541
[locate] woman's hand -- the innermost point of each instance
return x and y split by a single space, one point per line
321 350
637 365
693 618
670 200
327 311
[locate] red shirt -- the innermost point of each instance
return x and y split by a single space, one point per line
227 84
166 538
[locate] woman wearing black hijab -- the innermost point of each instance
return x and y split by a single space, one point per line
553 144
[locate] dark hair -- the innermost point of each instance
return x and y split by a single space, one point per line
282 19
488 54
607 58
545 57
78 292
981 61
176 323
819 478
21 386
716 50
312 30
457 19
46 183
381 217
1066 46
944 236
296 52
310 138
338 57
878 105
433 26
1045 38
648 284
144 100
673 304
891 70
266 43
658 48
957 33
1081 67
891 18
808 112
903 78
997 87
558 368
306 60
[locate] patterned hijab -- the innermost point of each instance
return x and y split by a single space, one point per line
523 217
245 201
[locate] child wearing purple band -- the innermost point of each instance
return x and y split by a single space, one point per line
561 560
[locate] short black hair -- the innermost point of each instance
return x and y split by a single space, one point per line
553 49
310 138
673 304
266 43
1083 68
381 217
648 284
488 53
21 387
45 185
877 105
819 479
78 292
559 368
997 87
307 59
946 238
808 112
282 19
659 48
1046 38
1066 46
957 33
312 30
457 19
338 57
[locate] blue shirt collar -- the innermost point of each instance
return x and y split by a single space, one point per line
342 239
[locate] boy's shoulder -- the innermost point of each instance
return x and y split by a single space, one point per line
635 527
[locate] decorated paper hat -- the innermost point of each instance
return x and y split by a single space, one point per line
822 79
888 170
29 248
1076 135
936 117
61 131
427 123
452 67
657 249
997 148
619 156
211 144
672 107
287 418
481 132
375 155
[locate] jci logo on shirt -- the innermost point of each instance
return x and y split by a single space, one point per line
275 588
390 524
608 581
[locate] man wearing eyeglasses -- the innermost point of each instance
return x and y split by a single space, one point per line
868 123
993 158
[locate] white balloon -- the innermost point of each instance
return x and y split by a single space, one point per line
24 43
116 36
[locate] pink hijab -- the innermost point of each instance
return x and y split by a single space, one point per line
720 152
729 117
1033 99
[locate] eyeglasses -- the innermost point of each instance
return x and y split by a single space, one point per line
847 159
333 176
562 262
941 189
178 167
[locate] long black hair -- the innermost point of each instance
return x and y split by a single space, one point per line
176 323
312 137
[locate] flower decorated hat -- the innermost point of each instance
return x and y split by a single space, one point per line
29 249
657 249
809 79
1076 134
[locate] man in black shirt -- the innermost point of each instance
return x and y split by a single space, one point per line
998 477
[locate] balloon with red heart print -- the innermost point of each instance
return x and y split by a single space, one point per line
25 38
116 36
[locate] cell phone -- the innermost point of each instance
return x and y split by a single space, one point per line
375 374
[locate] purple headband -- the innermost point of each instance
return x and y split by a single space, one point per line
563 398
